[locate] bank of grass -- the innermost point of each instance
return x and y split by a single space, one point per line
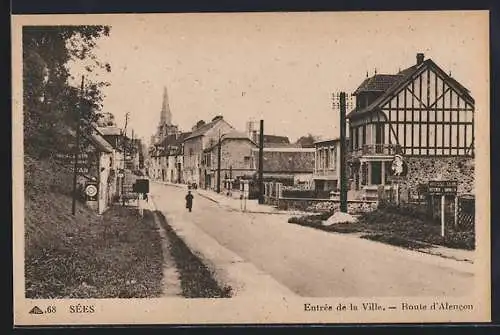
395 229
196 279
117 255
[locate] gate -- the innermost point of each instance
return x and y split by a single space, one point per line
466 212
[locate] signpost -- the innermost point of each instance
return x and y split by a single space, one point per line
443 188
246 191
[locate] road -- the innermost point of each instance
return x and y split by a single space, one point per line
315 263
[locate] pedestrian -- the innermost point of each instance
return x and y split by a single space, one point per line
189 201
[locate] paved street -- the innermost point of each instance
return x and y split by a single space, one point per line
316 263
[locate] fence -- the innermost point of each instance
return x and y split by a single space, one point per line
459 210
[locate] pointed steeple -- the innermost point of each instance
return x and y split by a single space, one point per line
166 115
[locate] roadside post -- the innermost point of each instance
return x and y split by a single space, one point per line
443 199
246 189
443 188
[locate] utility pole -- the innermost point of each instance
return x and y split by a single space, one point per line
124 137
261 162
77 149
218 162
343 142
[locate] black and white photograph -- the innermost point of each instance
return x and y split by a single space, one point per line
308 167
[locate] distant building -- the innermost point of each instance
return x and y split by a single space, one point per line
326 174
270 141
161 145
202 137
289 166
420 113
236 160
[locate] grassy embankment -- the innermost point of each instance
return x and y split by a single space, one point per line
117 255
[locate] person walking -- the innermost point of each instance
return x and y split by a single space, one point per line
189 201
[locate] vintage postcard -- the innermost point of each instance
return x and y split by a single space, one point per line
229 168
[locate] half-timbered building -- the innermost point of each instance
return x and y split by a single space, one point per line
421 113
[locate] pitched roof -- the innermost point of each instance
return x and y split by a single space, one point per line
377 83
108 131
398 80
203 129
233 135
99 142
290 161
275 139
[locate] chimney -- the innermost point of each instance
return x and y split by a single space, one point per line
420 58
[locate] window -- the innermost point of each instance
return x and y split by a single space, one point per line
355 135
363 140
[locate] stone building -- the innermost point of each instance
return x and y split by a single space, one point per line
290 166
203 136
235 148
420 113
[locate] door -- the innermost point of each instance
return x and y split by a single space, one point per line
376 173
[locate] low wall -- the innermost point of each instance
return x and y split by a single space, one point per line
322 205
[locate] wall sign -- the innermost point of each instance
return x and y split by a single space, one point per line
442 187
91 192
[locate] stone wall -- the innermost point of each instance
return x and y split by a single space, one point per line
321 205
423 169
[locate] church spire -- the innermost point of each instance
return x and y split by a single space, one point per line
166 115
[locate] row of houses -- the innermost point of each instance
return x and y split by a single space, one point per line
193 157
105 155
420 113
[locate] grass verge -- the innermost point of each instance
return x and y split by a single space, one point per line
395 229
196 279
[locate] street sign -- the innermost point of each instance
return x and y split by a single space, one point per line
91 192
442 187
141 186
121 173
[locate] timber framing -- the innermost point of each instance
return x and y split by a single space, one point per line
424 111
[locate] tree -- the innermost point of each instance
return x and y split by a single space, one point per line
306 141
51 104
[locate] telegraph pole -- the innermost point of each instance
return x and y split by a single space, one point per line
343 142
77 149
124 137
261 162
218 162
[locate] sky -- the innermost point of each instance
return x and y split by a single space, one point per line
279 67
